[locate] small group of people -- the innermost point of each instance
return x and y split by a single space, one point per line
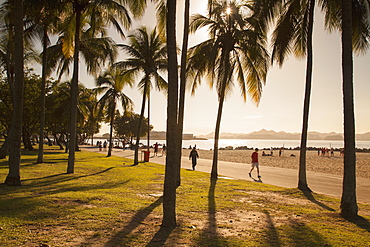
156 149
325 151
101 145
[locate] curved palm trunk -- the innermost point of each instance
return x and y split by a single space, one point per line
40 156
348 204
221 99
148 138
136 157
214 172
74 96
302 177
13 177
180 121
171 169
111 131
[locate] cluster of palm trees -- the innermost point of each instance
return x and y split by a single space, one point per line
235 53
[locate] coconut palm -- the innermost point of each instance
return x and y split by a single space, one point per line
13 177
147 55
172 167
293 34
348 205
352 19
44 16
235 52
81 15
7 56
112 82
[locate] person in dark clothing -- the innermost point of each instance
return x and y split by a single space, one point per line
193 156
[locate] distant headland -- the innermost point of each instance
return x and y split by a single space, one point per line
282 135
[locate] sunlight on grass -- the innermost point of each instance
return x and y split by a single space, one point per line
109 202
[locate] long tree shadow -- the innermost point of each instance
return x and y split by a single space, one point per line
272 237
359 221
160 237
309 196
210 235
62 177
136 220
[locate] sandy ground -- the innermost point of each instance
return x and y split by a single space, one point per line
315 163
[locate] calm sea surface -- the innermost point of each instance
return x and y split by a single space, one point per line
208 144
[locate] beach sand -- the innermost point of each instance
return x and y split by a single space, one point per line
325 164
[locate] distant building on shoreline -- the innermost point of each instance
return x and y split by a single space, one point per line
161 135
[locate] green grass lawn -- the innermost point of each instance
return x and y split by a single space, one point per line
109 202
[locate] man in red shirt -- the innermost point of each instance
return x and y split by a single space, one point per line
254 157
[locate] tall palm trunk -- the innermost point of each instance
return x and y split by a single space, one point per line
111 131
148 133
74 94
180 121
136 156
171 169
221 99
348 205
13 177
214 172
40 156
302 178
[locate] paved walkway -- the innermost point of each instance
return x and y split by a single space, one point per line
318 182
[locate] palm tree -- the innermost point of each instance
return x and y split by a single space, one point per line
7 56
147 56
235 51
112 83
352 18
172 167
80 15
44 17
293 33
348 205
13 177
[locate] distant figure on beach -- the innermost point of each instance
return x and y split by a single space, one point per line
254 157
163 149
193 156
156 149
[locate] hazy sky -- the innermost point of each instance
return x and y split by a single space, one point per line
281 106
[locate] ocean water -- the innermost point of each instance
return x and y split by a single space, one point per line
257 143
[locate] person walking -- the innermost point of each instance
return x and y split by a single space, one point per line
193 156
156 149
255 164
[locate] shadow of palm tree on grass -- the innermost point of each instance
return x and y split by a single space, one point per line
160 237
360 222
309 195
136 220
210 236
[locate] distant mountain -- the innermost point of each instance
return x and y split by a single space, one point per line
282 135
